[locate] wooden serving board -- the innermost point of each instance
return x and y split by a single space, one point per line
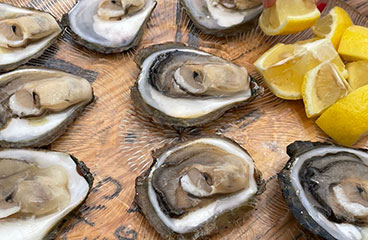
115 142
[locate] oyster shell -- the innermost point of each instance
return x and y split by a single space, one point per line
109 26
37 105
326 188
181 86
223 17
24 34
38 189
198 187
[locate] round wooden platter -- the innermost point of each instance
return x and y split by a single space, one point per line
115 141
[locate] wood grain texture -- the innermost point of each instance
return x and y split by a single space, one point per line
115 142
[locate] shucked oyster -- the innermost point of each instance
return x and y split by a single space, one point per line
222 17
181 86
37 105
196 188
109 26
24 34
38 189
326 188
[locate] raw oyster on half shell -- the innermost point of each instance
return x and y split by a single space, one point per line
182 87
24 34
198 187
109 26
38 189
326 188
37 105
223 17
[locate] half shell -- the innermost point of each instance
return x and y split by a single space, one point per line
198 187
182 87
24 34
37 105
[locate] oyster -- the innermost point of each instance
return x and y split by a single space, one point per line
109 26
183 87
326 188
196 188
38 189
37 105
24 34
223 17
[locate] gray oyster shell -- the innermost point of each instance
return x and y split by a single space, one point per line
227 208
43 126
314 168
182 110
212 18
12 57
105 36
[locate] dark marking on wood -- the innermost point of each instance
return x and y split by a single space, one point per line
118 187
251 118
133 208
124 233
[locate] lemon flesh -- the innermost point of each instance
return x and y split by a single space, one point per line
357 74
333 25
346 120
289 16
354 44
322 87
283 67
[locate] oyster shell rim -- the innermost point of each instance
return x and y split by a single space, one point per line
12 66
161 118
56 133
223 32
209 227
98 47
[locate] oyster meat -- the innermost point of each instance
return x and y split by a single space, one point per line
223 17
326 188
198 187
24 34
38 189
37 105
183 87
109 26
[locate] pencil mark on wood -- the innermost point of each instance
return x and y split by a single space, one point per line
124 233
108 180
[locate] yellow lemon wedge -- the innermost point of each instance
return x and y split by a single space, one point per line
354 44
333 25
322 87
346 120
357 74
289 16
283 67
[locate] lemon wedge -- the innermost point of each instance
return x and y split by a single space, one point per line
289 16
333 25
346 120
322 87
357 74
354 44
283 67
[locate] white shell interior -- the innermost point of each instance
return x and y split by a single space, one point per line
337 230
24 130
182 107
9 56
196 218
36 228
84 22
